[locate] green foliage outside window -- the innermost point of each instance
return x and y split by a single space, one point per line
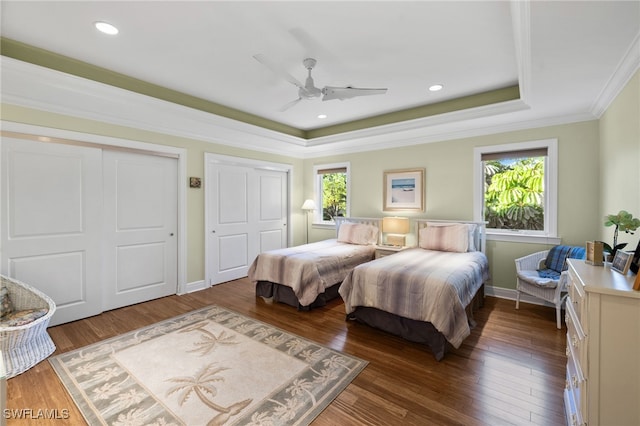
514 194
334 195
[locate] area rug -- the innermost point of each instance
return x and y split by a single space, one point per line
212 366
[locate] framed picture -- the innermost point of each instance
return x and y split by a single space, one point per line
621 262
403 190
635 262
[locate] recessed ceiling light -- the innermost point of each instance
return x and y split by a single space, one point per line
322 116
435 87
106 28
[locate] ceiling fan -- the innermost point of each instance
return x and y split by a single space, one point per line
308 90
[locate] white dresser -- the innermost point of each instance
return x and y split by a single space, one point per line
603 347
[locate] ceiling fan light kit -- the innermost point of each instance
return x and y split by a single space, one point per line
309 89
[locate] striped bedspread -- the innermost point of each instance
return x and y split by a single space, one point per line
310 268
424 285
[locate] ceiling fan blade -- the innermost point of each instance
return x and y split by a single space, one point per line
277 69
289 105
343 93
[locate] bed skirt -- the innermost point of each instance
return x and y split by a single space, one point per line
413 330
283 294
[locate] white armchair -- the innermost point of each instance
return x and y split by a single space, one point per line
548 289
24 340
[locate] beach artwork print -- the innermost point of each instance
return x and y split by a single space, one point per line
403 190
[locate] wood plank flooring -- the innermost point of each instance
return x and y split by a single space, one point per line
509 371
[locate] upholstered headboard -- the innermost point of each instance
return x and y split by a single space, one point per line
477 232
377 222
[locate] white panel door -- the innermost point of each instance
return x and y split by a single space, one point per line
247 214
140 216
272 210
232 222
52 222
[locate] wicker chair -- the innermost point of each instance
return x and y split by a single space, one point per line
547 289
25 345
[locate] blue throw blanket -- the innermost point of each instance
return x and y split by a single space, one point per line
556 260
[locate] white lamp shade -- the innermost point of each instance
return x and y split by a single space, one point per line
309 205
395 225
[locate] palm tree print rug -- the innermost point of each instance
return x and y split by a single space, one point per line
212 366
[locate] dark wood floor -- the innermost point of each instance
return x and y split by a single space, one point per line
509 371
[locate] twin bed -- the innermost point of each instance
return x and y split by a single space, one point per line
425 294
308 276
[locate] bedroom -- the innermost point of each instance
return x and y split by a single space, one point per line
595 155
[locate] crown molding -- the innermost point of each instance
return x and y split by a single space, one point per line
40 88
32 86
626 69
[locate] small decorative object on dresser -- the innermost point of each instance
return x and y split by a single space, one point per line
621 262
636 284
595 253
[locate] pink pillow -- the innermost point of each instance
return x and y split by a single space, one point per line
358 233
454 237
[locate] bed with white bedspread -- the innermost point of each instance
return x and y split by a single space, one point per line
424 294
308 276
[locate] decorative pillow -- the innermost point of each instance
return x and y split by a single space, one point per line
6 307
358 233
449 237
556 259
472 231
19 318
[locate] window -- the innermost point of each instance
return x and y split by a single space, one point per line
516 190
332 191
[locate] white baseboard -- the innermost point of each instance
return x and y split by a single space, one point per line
510 294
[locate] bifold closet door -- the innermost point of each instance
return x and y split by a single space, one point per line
140 231
52 222
247 214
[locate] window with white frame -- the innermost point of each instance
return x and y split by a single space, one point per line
516 190
331 191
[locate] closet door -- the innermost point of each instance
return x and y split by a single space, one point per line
51 222
140 232
246 214
272 210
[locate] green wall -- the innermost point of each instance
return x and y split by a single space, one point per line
449 185
620 159
195 167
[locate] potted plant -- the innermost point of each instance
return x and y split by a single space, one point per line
623 221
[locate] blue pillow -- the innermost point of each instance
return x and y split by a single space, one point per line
556 260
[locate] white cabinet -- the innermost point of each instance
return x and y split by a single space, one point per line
603 347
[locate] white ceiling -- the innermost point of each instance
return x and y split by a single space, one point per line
567 56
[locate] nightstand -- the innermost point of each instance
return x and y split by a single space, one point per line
382 250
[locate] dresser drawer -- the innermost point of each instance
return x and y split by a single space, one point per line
575 375
574 326
576 294
571 411
575 386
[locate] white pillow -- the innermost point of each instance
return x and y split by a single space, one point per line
445 237
358 233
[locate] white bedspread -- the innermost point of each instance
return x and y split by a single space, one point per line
424 285
310 268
